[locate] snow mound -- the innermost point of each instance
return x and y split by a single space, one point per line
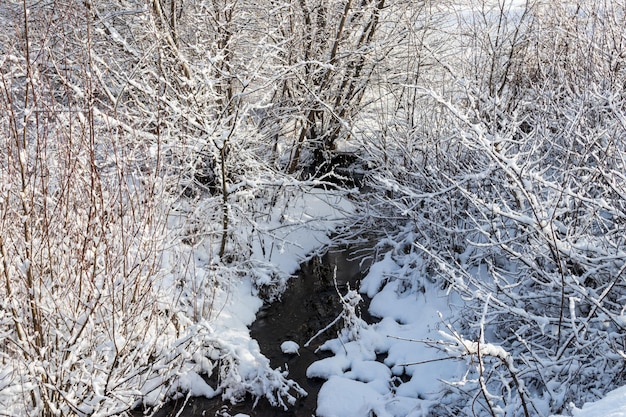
391 369
343 397
290 347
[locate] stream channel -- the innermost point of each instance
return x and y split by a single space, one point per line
308 305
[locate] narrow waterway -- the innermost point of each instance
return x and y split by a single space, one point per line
308 305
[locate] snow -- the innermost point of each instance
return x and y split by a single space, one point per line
396 367
408 377
195 386
505 155
368 371
399 366
290 347
304 225
612 405
327 367
341 397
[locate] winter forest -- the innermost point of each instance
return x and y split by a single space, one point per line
167 165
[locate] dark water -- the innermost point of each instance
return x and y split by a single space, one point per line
308 305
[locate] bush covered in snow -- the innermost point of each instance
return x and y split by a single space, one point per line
162 160
512 189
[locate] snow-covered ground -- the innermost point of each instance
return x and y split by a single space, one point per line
612 405
393 367
296 227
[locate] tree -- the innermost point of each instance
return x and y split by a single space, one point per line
329 51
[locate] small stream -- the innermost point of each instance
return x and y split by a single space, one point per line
308 305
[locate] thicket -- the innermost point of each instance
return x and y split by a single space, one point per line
140 136
505 169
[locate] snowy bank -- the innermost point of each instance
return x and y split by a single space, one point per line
224 299
612 405
391 369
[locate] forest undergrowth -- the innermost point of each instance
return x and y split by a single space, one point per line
161 160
